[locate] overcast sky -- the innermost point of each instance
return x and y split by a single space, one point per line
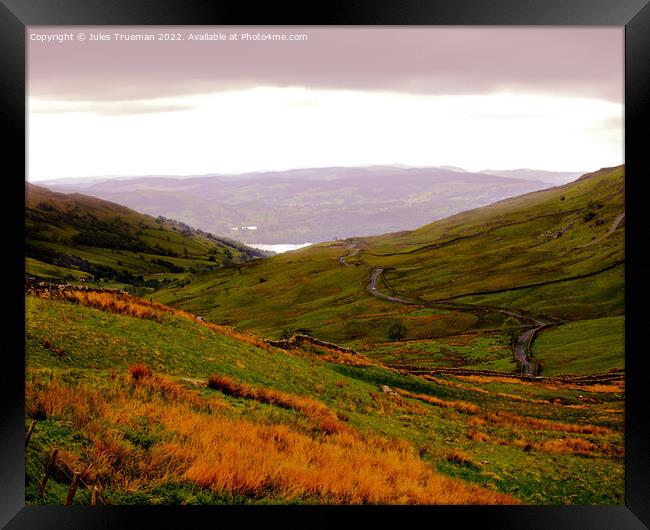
482 97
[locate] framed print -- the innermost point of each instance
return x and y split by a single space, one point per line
380 261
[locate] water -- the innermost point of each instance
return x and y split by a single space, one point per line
280 248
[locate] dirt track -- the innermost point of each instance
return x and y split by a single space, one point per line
521 347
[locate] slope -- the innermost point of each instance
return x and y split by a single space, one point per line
555 255
78 237
155 406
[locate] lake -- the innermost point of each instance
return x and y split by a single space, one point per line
280 247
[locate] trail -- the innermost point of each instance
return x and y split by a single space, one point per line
521 347
353 250
372 289
609 232
434 246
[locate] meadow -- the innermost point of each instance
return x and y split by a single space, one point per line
555 255
152 405
406 386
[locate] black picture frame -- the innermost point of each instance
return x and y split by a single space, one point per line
15 15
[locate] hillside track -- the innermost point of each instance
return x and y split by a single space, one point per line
521 348
609 232
433 246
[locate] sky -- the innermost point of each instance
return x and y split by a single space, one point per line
107 101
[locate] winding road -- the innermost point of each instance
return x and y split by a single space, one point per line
609 232
353 249
521 347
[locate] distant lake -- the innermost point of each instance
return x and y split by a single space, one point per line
280 248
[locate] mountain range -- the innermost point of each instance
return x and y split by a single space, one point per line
313 205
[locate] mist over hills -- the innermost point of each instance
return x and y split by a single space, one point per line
553 177
310 205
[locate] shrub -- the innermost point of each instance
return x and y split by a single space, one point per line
139 371
457 456
396 331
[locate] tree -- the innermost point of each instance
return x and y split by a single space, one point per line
396 331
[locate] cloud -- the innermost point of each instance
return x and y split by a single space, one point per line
263 129
107 108
574 61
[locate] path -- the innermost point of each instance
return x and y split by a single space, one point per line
609 232
522 346
353 249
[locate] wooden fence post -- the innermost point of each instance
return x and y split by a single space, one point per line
73 488
29 432
93 498
48 470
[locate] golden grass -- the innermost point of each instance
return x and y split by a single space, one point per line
493 379
565 445
126 304
316 411
527 422
477 436
347 359
460 457
230 455
385 404
504 418
461 406
479 390
612 388
578 446
600 389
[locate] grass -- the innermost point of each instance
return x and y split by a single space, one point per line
159 406
532 253
72 236
88 402
198 444
596 345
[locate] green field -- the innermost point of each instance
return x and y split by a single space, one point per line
549 254
153 405
84 352
586 346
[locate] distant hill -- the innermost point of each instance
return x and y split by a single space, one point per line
80 238
308 205
553 177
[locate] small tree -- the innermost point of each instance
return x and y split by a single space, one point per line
396 331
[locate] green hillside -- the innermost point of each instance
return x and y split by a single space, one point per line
154 406
555 256
73 237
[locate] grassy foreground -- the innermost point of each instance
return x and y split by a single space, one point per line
154 406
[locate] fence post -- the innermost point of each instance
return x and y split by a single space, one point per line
73 488
29 432
48 470
93 498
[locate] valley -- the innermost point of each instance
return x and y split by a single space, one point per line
478 359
